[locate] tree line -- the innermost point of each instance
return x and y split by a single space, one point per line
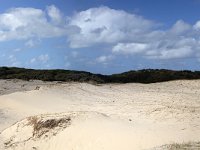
134 76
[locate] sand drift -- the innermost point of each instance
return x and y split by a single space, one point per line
79 116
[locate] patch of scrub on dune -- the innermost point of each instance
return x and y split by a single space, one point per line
183 146
29 133
40 127
35 128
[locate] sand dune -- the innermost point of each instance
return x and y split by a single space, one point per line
112 116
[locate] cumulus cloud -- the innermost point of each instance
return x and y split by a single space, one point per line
104 25
197 25
173 53
24 23
162 49
181 41
132 34
180 27
124 33
130 48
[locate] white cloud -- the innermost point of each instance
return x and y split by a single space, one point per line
42 59
132 34
104 59
54 14
180 27
197 25
126 33
162 49
24 23
182 52
179 42
130 48
104 25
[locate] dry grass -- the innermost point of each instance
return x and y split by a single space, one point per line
41 127
183 146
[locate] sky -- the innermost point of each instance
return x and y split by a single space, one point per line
100 36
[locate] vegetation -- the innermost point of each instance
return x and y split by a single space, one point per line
140 76
183 146
40 127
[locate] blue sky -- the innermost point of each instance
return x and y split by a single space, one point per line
100 36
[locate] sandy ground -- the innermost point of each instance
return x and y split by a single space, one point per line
80 116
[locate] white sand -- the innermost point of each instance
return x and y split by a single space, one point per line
109 117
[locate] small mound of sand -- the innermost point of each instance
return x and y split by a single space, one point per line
71 131
34 128
44 131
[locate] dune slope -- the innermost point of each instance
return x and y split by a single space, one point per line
82 116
